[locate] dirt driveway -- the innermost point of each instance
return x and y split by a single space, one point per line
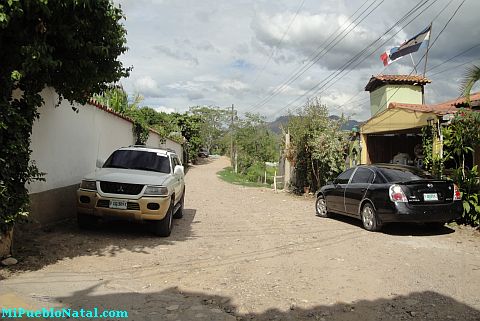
251 254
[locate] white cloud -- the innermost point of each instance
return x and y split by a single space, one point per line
183 51
147 87
164 109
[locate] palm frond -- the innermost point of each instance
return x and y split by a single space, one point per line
472 75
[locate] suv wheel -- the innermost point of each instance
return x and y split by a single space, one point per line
164 227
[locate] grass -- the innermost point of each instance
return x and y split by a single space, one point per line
228 175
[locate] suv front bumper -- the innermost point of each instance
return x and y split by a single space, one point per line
91 203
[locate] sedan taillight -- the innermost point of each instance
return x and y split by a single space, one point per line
457 196
396 194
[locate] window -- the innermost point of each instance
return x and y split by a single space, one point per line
402 175
140 160
362 175
344 177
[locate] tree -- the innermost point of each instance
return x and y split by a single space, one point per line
470 78
255 145
318 146
213 125
116 98
72 46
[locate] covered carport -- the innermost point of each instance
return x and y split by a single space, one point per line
395 134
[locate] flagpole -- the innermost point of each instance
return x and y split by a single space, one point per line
426 54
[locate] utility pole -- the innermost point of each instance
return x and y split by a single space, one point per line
231 140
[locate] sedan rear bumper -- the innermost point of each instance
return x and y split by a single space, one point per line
403 212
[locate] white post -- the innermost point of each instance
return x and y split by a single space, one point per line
275 181
236 162
288 166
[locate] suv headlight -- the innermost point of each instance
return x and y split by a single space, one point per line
156 190
90 185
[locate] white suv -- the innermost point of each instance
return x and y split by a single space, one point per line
136 183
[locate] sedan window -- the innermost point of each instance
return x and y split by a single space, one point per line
344 177
404 174
362 175
141 160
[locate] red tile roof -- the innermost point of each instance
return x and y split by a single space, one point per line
461 102
439 110
380 80
448 107
95 103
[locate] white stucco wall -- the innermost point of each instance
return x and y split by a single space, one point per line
66 145
155 141
175 146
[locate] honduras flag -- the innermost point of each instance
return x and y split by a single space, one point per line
408 47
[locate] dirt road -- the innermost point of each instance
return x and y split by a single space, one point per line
252 254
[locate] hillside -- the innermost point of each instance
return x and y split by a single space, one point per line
276 125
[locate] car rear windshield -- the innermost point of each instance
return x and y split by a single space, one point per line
404 174
141 160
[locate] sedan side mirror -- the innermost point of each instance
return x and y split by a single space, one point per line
178 170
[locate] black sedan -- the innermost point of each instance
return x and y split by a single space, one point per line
383 193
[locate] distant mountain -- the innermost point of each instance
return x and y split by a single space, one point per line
276 125
349 125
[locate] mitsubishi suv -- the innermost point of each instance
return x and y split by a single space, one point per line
136 183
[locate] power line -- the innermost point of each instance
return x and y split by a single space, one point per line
365 57
451 58
452 67
336 74
279 42
436 16
434 41
315 57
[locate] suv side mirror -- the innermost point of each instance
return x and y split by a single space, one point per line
178 170
330 183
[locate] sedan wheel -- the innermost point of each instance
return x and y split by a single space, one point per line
369 218
321 207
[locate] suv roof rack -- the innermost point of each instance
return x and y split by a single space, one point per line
153 147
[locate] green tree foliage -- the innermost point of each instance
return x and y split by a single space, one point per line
116 98
460 138
213 126
255 144
71 45
318 146
190 128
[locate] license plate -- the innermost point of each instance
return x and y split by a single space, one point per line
430 197
118 204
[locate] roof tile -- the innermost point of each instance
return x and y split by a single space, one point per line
379 80
448 107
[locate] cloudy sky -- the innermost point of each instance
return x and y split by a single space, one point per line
270 56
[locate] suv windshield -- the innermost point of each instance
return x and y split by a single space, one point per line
404 175
141 160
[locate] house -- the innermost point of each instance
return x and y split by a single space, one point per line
393 133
